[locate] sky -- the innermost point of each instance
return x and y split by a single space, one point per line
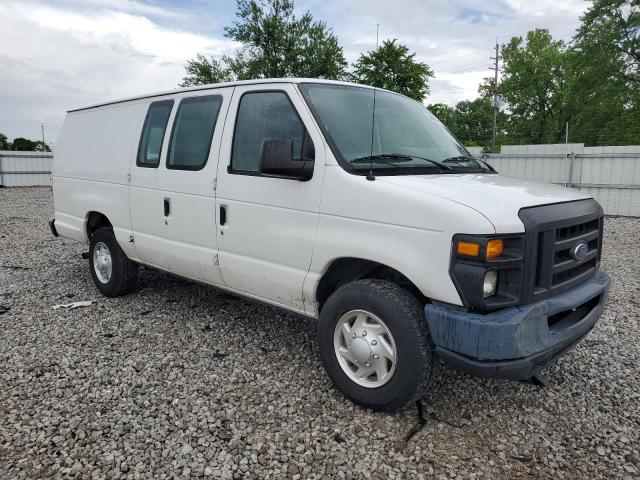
61 54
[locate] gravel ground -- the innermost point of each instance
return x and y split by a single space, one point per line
180 380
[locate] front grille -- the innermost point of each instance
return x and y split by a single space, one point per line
565 270
552 233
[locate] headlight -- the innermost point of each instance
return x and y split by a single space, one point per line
490 283
487 270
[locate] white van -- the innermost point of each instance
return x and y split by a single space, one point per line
341 202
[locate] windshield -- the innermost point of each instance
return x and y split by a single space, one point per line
407 138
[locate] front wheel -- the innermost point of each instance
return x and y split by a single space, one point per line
374 344
112 272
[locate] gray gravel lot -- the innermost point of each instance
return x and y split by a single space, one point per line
180 380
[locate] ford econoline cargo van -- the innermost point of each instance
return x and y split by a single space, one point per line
338 201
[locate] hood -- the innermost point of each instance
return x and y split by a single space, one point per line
497 197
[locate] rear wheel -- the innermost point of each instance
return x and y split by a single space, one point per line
374 344
112 272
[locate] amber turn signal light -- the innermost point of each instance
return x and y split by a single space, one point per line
468 248
494 248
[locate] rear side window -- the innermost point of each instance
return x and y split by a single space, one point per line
264 115
192 132
155 124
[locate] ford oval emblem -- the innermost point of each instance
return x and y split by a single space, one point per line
579 252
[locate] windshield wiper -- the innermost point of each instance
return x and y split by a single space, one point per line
486 164
398 157
459 159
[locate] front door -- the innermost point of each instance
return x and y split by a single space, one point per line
266 224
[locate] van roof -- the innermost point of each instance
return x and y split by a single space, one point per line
219 85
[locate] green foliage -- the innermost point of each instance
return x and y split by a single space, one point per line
23 145
276 43
534 85
40 146
593 84
470 120
606 84
446 114
203 71
611 30
391 66
4 142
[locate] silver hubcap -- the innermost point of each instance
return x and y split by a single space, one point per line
365 348
102 262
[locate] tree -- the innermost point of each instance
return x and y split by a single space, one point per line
612 28
475 121
534 85
275 44
23 145
446 114
593 84
606 61
392 67
4 142
40 146
203 71
470 120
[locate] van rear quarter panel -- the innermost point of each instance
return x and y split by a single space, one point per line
90 168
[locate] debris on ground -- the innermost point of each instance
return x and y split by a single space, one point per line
338 438
73 305
419 425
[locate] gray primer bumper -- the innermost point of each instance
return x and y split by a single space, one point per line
515 342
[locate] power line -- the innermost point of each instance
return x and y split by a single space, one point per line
465 68
454 58
437 59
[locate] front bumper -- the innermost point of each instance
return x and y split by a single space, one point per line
517 342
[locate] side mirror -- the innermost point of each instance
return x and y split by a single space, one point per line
276 159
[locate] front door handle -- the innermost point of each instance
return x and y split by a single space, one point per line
223 214
167 207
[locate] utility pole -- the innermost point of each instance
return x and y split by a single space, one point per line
495 96
377 34
42 128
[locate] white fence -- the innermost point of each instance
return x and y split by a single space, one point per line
610 174
25 169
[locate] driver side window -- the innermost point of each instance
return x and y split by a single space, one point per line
263 115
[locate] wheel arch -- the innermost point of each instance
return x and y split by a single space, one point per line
95 220
344 270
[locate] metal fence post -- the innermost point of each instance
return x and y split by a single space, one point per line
572 156
1 174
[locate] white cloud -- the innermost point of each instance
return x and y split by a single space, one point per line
53 59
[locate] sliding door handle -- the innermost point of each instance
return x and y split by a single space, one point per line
167 207
223 214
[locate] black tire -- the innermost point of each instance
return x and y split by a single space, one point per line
404 316
124 272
